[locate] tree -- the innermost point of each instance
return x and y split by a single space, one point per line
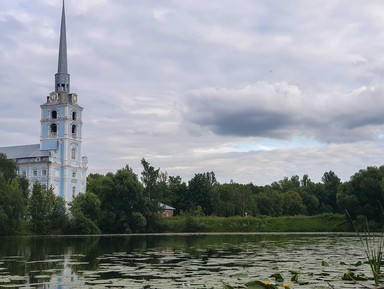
47 211
120 195
293 204
8 168
177 193
363 194
222 198
86 210
331 183
270 203
87 204
232 200
13 200
94 182
199 191
150 178
12 206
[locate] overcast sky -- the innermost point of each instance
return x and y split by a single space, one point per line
254 91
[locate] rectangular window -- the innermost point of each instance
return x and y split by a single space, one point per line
24 173
34 172
74 174
44 172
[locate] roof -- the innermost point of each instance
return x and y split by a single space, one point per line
24 151
166 207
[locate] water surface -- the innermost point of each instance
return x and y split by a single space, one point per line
181 261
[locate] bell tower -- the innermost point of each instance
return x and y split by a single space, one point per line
61 130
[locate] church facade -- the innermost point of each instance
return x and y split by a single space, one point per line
57 161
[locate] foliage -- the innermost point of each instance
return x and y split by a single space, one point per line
80 224
13 198
122 202
257 284
362 194
150 178
199 191
85 209
87 204
47 211
8 168
120 194
138 223
13 206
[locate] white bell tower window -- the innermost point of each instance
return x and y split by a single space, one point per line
53 130
74 131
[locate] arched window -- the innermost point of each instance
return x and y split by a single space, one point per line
53 114
53 130
74 115
74 129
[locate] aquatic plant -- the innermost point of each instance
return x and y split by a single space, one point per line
257 284
373 247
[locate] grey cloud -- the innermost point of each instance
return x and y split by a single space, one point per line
256 123
281 110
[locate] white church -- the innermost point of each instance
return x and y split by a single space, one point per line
57 161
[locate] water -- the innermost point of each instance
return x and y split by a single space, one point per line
181 261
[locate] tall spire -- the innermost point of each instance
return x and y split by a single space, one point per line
62 76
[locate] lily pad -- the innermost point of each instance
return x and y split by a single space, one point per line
256 285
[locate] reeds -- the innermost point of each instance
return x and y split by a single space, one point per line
373 246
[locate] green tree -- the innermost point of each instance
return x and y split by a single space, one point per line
120 195
8 168
363 194
12 206
150 178
331 183
222 198
199 192
287 184
270 203
293 204
232 200
86 210
94 182
47 211
177 193
88 204
13 201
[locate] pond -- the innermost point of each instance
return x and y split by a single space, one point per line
181 261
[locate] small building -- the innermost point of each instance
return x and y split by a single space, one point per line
166 211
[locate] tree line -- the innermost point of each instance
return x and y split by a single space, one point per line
124 202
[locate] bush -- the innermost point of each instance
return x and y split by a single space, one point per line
138 223
79 224
319 223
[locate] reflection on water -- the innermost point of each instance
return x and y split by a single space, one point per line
176 261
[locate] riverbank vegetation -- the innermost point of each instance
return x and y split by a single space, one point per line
124 202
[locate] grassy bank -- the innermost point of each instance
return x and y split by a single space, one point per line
319 223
